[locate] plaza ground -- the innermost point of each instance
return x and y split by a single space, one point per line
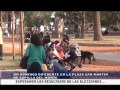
110 46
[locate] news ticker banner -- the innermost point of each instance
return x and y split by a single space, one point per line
59 75
59 78
60 81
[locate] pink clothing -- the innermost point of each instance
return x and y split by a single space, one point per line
60 51
55 54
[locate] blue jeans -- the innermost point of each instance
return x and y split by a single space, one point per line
58 68
52 62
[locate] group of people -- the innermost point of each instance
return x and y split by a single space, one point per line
56 55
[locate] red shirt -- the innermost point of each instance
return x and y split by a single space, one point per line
60 51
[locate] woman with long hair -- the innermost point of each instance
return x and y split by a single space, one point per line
36 53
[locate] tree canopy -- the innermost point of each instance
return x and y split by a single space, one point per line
71 17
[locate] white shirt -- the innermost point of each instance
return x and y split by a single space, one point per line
41 28
67 55
1 36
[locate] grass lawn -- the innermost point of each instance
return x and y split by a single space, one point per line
9 63
108 39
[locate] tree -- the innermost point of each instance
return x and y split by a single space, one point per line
97 26
5 16
34 18
28 19
83 24
0 18
9 21
109 18
59 23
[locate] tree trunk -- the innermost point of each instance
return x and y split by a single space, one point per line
78 31
22 32
13 38
55 32
0 18
60 28
82 29
83 25
9 22
97 27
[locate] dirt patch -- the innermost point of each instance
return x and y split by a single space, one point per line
100 65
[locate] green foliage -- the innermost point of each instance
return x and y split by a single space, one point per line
71 17
110 17
107 17
4 16
47 17
28 20
31 18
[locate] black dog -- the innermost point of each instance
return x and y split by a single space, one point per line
87 54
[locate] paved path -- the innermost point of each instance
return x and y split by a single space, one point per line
108 57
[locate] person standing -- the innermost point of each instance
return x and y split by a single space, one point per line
42 28
1 44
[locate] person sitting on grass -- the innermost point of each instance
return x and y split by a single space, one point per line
58 68
36 53
65 42
53 55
